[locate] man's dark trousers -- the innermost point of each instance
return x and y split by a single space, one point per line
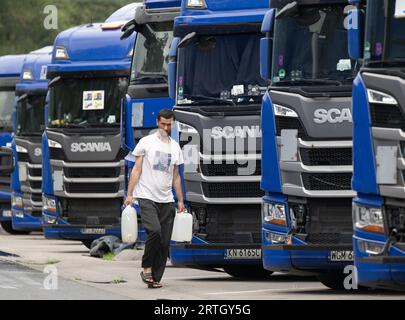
157 219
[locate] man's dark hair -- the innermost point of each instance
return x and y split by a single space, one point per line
166 114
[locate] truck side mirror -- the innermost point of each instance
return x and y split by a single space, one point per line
6 161
266 45
355 34
172 68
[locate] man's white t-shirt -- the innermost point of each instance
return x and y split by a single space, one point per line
156 181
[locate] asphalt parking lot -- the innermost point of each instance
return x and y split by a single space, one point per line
27 263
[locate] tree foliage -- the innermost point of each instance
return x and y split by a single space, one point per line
22 21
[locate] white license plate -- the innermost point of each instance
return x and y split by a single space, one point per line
243 254
341 256
93 231
7 214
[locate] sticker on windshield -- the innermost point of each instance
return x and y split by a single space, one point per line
399 9
344 64
93 100
238 90
282 73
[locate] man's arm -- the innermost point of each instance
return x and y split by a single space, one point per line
177 187
133 181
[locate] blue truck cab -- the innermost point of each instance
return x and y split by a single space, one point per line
214 78
378 41
83 166
10 71
29 125
148 88
307 140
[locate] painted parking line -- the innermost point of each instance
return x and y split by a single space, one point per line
265 290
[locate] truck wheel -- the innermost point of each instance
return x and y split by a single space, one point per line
333 280
8 227
247 272
87 243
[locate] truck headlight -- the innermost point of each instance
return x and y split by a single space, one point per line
48 204
27 75
16 201
61 53
274 214
372 248
21 149
48 219
54 144
281 111
380 97
368 219
196 4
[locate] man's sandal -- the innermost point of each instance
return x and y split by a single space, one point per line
155 285
147 278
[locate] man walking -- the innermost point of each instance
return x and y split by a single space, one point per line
153 178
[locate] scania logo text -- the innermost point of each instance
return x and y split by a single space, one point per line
236 132
333 115
91 147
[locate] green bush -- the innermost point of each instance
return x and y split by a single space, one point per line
22 21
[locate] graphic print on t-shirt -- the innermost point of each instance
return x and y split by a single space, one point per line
162 161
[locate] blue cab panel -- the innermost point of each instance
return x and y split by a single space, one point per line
10 71
31 92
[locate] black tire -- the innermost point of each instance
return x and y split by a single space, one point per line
247 272
333 280
87 243
8 227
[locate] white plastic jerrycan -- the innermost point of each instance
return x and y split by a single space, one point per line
183 227
129 225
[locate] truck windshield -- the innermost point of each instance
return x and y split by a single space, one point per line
225 67
30 116
152 53
6 109
385 36
312 46
93 102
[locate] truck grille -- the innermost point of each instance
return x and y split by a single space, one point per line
92 212
58 154
224 169
37 185
35 172
284 123
92 187
386 116
326 156
233 190
23 157
327 181
92 172
5 183
330 221
233 224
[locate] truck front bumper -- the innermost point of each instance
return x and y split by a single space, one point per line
210 254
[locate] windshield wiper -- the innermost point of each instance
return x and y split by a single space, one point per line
309 82
206 99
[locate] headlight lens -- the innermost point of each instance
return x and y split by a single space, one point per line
284 112
61 53
48 219
21 149
368 219
274 214
380 97
17 201
370 247
196 4
48 204
27 75
54 144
